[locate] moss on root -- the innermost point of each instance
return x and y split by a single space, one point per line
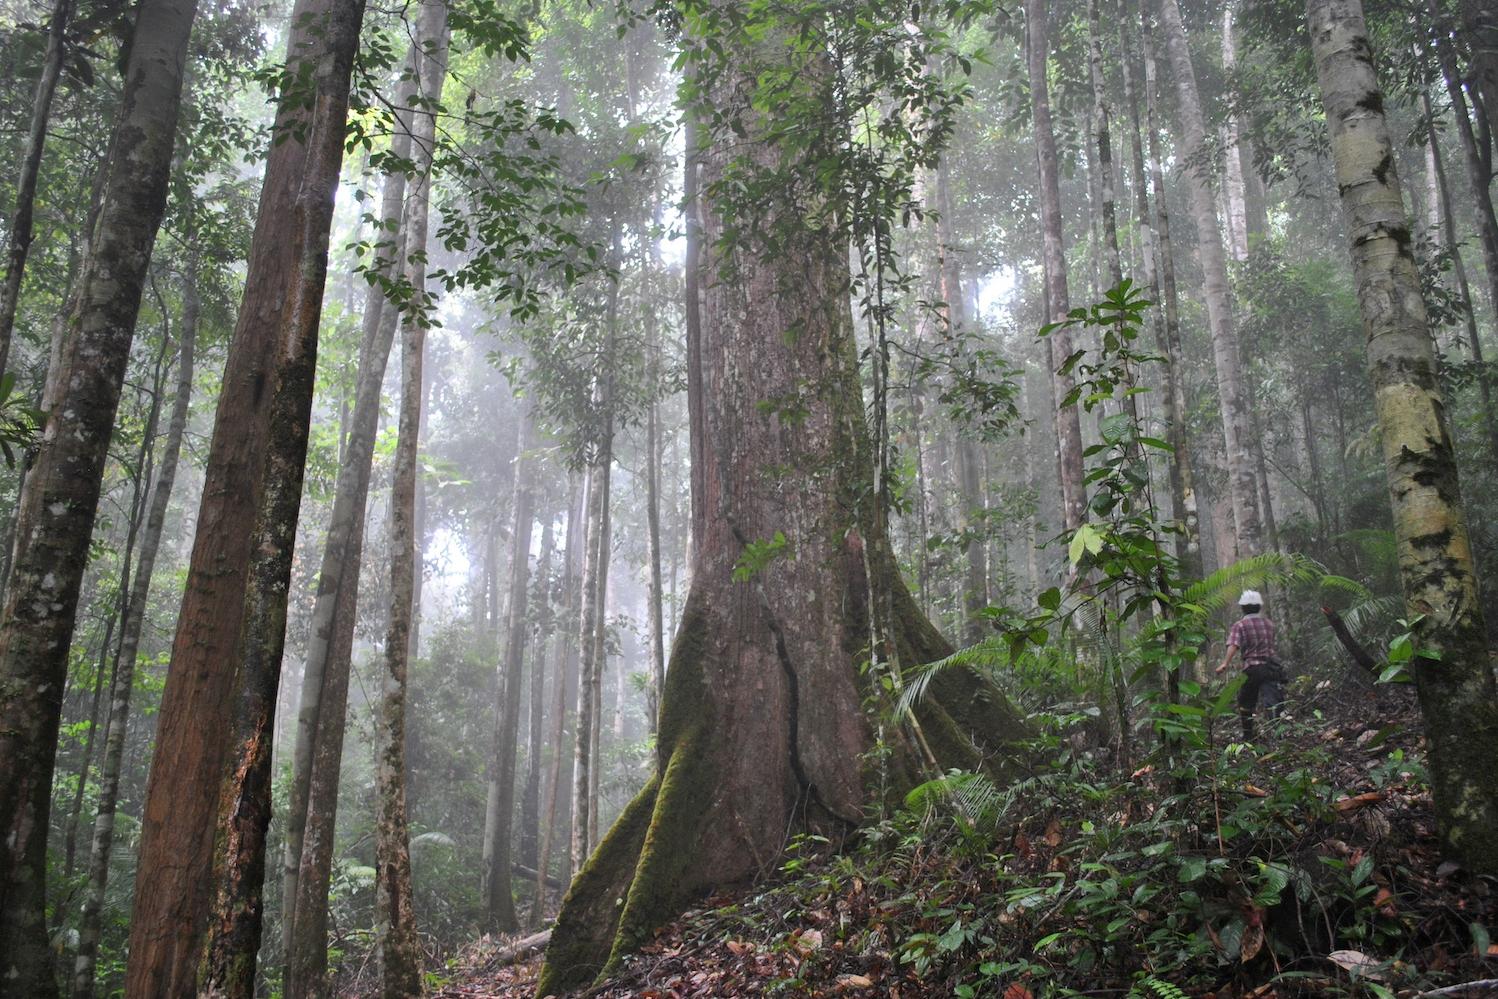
631 884
659 890
642 874
585 928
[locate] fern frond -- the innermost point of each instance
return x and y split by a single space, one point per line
988 654
433 839
1155 988
1271 568
1341 584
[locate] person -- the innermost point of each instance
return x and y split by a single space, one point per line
1252 637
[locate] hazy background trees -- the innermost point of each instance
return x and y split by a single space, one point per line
548 507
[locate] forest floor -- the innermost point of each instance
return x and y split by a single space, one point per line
1050 906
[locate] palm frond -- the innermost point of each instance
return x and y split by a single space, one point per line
1269 569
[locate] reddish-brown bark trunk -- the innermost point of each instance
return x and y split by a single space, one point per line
763 729
259 439
56 508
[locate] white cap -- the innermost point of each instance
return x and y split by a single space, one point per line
1250 597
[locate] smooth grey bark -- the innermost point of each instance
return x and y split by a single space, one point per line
600 647
1445 215
1068 423
499 901
587 649
542 631
1182 480
654 613
559 703
1236 166
90 921
56 508
398 949
1236 427
1103 139
21 221
1458 697
330 645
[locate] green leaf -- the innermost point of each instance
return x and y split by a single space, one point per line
1191 869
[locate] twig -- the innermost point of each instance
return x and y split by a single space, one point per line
1466 988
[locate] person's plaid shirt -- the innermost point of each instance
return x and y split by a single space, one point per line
1254 636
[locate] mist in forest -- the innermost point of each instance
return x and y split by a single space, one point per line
496 475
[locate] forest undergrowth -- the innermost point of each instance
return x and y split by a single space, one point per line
1303 866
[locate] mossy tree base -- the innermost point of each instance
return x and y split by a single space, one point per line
720 810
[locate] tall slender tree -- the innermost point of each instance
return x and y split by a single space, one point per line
1456 688
499 901
61 495
322 705
1068 423
1243 483
259 438
19 232
244 810
395 922
90 923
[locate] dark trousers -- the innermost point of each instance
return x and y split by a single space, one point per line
1263 683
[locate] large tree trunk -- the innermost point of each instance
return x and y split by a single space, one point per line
1457 693
398 949
330 647
1068 423
90 922
499 901
329 40
1242 481
20 228
763 729
267 373
56 507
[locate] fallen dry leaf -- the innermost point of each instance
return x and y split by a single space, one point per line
1357 801
1022 846
1052 835
1017 991
1252 943
854 982
1352 960
808 941
740 947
